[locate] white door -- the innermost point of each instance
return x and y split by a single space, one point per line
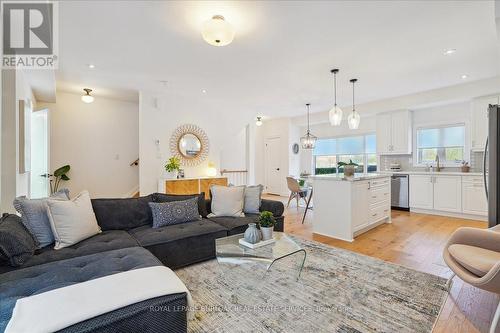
39 154
421 192
383 133
448 193
273 166
401 132
361 202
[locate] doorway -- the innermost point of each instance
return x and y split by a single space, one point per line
40 136
273 166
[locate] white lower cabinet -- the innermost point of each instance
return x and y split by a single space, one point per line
360 193
448 194
372 202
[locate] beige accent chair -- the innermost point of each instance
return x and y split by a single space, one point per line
474 256
296 191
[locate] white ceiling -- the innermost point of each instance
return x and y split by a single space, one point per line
282 53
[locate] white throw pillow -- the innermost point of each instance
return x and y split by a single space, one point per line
72 221
227 201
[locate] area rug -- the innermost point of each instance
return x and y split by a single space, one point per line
338 291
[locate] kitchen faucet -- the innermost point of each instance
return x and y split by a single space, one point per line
438 168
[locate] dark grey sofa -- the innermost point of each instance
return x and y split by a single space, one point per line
123 244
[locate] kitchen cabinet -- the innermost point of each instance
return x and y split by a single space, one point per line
394 133
447 193
421 191
479 121
473 196
360 192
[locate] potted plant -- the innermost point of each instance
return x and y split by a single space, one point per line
349 168
266 223
56 177
173 166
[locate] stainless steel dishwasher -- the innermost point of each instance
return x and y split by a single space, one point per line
399 191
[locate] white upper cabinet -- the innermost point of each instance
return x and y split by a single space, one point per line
479 123
394 133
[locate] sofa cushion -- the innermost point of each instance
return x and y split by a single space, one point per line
105 241
202 208
235 225
175 212
34 215
475 259
17 245
123 214
38 279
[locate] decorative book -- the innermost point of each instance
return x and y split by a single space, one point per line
256 245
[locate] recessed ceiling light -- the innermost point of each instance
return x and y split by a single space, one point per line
91 66
449 51
464 76
204 91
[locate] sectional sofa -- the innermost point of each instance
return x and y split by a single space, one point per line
127 242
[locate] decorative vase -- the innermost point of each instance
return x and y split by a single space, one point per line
267 233
349 170
252 234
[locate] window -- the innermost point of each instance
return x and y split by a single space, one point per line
447 142
359 149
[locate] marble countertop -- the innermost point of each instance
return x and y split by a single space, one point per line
340 177
443 173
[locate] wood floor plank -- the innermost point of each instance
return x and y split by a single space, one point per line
415 241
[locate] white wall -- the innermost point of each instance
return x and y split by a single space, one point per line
161 113
98 140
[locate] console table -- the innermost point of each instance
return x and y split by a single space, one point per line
190 185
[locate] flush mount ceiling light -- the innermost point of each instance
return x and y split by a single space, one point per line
335 114
91 66
308 141
217 31
87 98
353 119
464 76
449 51
259 121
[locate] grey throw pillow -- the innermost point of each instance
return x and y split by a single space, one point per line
34 216
227 201
253 198
174 212
16 243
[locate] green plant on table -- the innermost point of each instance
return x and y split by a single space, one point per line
174 164
340 164
266 219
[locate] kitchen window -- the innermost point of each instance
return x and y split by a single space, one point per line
447 142
360 149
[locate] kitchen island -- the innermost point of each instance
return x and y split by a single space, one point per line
347 207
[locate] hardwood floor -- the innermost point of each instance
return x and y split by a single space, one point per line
414 241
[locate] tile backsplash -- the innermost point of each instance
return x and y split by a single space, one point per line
406 161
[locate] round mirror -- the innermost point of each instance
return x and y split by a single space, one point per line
189 145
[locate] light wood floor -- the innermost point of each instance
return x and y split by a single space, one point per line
415 241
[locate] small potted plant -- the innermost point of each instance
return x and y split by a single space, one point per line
266 223
173 166
349 168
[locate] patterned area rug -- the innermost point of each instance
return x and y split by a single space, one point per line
338 291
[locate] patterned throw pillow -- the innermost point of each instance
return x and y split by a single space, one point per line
174 212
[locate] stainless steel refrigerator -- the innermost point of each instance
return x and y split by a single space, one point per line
491 165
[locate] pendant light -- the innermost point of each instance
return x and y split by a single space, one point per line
354 118
308 141
87 97
335 114
259 121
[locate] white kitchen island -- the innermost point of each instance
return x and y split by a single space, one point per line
347 207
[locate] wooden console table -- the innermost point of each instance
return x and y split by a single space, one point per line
190 185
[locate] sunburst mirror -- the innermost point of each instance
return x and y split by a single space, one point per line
190 144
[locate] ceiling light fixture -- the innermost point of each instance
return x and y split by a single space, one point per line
353 119
449 51
308 141
464 76
204 91
259 121
217 31
91 66
87 98
335 113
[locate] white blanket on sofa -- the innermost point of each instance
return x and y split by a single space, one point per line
59 308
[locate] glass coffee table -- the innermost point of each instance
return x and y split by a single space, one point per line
228 250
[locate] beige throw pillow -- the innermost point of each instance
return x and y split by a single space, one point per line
227 201
72 221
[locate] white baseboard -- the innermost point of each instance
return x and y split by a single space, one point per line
449 214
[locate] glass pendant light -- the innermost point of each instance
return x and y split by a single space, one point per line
354 118
335 114
308 141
